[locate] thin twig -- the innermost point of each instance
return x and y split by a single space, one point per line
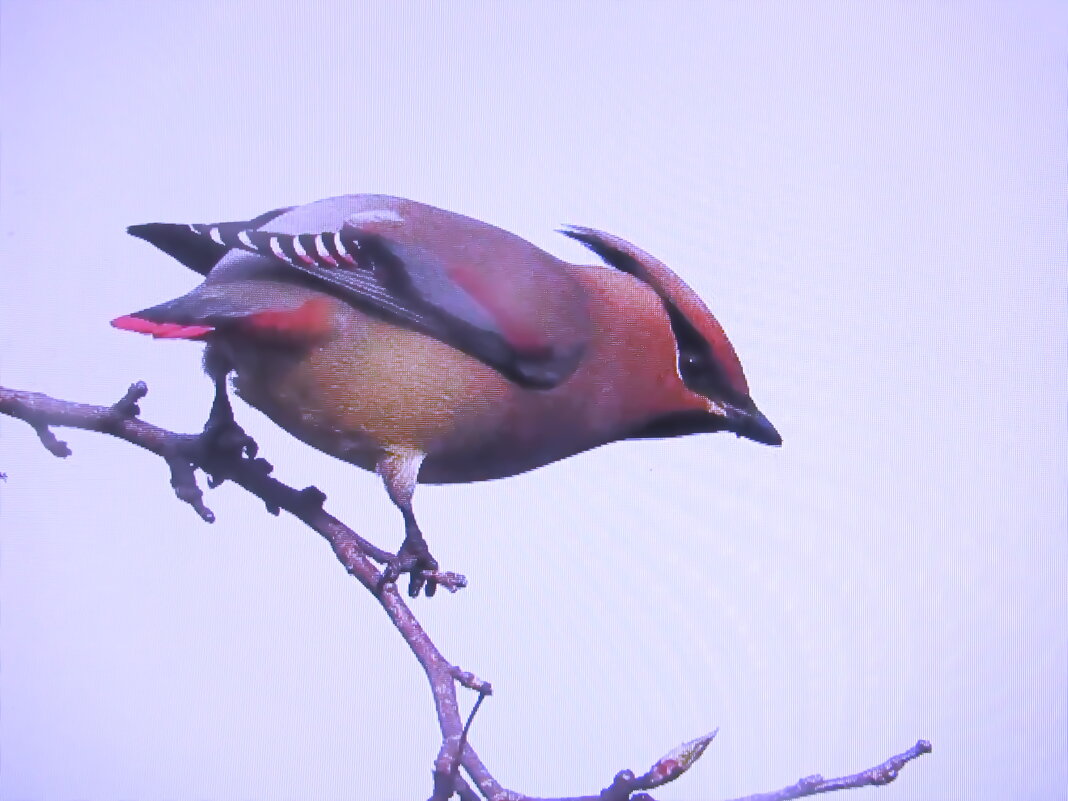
883 773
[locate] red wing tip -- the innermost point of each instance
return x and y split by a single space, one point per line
140 325
309 320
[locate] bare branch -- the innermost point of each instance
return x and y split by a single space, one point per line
879 775
183 455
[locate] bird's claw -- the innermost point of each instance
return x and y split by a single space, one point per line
416 562
227 440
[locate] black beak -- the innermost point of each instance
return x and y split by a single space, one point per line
752 424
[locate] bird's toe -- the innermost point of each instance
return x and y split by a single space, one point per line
416 562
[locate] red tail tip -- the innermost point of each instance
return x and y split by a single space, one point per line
140 325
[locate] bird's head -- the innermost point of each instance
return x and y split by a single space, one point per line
708 368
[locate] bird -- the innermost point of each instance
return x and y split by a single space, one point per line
431 347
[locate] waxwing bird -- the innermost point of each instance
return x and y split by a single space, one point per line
431 347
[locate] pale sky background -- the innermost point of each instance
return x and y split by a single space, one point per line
871 198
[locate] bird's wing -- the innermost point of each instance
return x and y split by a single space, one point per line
406 285
197 252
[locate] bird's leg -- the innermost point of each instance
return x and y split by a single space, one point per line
399 468
414 557
222 438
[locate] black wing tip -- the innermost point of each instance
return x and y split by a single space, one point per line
544 370
145 230
532 375
162 235
180 242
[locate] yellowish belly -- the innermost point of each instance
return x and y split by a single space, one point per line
371 386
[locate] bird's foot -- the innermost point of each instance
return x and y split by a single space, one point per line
414 559
221 444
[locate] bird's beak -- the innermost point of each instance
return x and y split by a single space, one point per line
752 424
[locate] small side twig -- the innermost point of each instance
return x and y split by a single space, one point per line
53 445
883 773
471 681
126 406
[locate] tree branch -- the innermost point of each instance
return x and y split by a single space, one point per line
879 775
183 456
